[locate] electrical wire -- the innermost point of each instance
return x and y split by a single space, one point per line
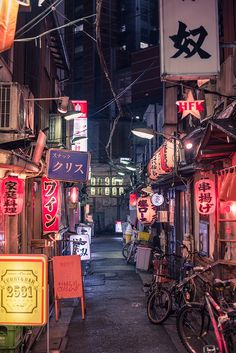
49 9
53 29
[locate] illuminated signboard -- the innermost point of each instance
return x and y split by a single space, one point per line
23 290
67 165
50 205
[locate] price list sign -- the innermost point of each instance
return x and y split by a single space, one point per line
23 290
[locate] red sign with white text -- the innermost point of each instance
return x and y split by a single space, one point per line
81 106
50 205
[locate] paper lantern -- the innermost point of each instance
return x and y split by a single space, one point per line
12 195
205 196
146 211
167 155
154 168
133 200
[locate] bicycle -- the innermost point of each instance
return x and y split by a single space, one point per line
160 300
211 323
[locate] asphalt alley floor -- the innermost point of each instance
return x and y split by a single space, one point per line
116 319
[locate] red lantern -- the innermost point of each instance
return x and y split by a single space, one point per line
146 211
12 195
133 200
205 196
74 194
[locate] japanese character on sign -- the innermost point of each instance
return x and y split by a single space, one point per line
205 196
12 194
68 165
50 204
190 41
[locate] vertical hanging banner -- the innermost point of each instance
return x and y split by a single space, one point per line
50 205
12 195
8 18
146 211
189 39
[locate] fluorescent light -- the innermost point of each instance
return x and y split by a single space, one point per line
129 167
72 115
144 133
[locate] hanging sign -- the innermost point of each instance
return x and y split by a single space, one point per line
146 211
157 199
205 196
50 205
23 290
67 165
189 39
12 195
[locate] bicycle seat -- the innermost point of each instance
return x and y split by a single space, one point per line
219 284
198 268
188 265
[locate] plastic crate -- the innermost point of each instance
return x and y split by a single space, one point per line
143 236
143 258
10 337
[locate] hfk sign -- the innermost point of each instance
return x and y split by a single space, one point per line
190 105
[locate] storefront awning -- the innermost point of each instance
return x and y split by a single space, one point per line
16 163
219 140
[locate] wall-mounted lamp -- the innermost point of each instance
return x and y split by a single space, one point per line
148 133
62 102
72 115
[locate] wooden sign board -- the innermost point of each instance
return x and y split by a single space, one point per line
23 290
68 280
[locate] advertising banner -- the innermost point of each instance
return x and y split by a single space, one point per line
23 290
189 39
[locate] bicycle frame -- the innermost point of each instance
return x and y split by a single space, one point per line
217 326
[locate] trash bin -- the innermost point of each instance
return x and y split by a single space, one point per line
143 259
10 338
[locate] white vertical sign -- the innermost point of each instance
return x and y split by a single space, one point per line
189 39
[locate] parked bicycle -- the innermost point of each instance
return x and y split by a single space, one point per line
161 300
210 324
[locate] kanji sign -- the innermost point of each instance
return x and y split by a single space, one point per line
205 196
23 290
189 39
68 165
80 246
146 211
12 195
50 205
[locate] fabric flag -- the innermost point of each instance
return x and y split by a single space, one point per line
8 17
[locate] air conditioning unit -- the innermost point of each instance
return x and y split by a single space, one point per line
16 114
226 83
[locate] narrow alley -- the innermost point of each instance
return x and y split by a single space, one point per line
116 320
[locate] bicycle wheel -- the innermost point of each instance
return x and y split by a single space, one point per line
125 250
159 305
131 256
194 328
